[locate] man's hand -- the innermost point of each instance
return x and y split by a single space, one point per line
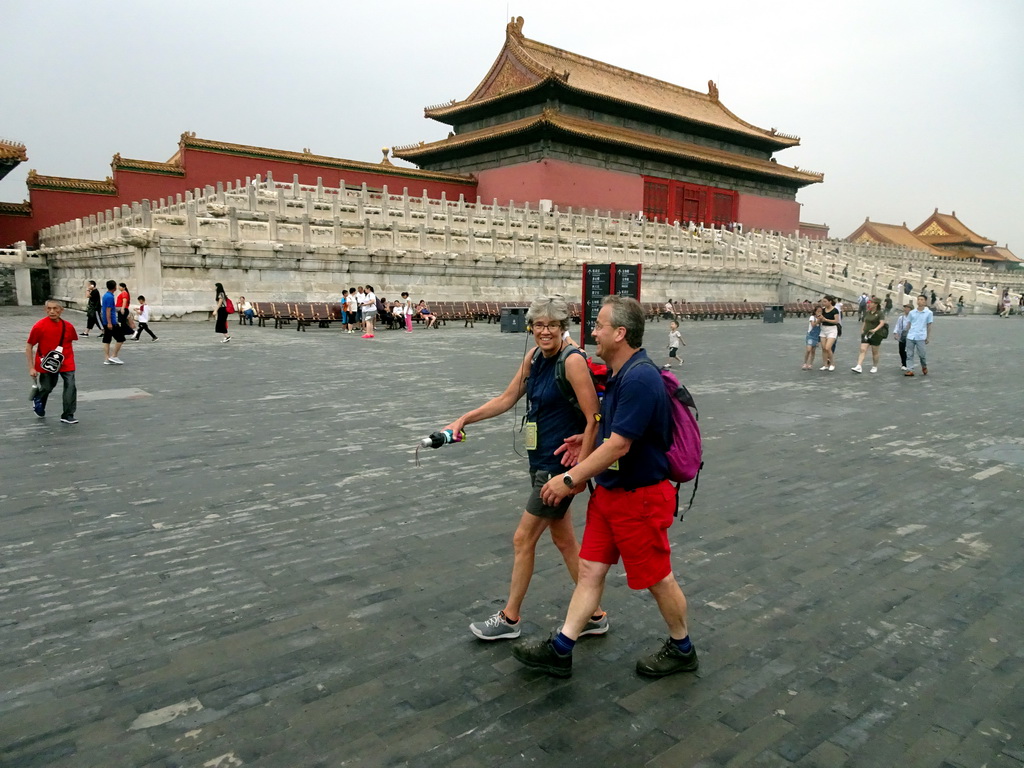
33 373
555 490
570 450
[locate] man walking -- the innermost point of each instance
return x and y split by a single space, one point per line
633 505
920 321
52 334
112 330
92 307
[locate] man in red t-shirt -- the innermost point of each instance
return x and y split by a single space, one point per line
49 334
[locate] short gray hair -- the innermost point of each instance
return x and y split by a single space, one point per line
627 313
549 308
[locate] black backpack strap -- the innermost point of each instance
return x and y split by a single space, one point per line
561 379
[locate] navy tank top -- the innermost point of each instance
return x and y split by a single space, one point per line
555 416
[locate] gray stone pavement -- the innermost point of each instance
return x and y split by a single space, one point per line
233 561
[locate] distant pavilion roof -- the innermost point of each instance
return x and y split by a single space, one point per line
524 65
945 229
553 121
997 253
892 234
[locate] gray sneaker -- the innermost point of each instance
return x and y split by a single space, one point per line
496 628
596 627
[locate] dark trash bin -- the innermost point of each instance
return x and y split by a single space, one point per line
773 313
513 319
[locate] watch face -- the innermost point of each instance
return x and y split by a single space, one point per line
568 481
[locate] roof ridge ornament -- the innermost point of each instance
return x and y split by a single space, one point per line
515 27
712 90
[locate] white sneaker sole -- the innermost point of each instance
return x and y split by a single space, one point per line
509 635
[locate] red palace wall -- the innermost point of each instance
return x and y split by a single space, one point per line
769 213
202 168
564 184
16 228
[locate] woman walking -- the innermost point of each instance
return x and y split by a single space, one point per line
222 313
871 334
550 418
829 321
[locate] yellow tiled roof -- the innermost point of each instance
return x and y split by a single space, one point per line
524 64
946 228
892 234
12 151
66 184
147 166
578 126
997 253
16 209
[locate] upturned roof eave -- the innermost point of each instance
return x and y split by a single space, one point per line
486 107
457 145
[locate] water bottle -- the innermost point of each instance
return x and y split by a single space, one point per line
444 437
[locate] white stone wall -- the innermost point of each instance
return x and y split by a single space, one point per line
288 242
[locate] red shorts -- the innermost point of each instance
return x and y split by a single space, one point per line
633 525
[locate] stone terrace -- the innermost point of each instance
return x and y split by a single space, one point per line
293 242
233 561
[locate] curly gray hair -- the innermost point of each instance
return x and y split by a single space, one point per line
554 308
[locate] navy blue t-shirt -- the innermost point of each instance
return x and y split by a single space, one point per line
635 406
555 416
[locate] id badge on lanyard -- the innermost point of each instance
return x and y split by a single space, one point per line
531 436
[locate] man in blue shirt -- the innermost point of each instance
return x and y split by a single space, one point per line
112 331
633 505
920 321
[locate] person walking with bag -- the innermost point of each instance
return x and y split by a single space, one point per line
51 355
222 313
873 331
551 417
631 508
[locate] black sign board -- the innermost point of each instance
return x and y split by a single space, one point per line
600 280
597 283
627 280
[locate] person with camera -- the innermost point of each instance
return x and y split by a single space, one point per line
558 406
50 354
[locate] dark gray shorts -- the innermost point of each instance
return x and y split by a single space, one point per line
538 508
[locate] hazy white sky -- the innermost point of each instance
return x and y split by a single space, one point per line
905 105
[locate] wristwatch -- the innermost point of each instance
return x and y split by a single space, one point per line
568 481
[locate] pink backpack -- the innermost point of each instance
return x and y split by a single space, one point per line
685 451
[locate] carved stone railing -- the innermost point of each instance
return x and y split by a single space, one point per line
313 219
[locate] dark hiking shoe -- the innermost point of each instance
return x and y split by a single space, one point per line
542 656
667 660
